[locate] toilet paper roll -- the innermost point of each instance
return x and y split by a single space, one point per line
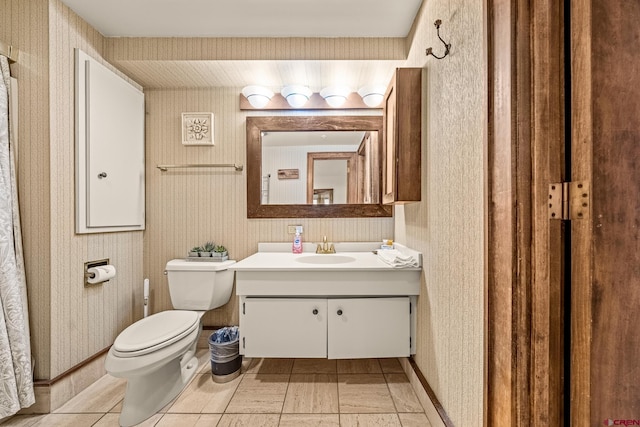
101 273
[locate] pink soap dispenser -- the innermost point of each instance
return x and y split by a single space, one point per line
297 241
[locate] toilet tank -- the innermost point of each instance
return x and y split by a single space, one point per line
199 285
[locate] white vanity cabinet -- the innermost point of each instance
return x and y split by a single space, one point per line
334 328
346 306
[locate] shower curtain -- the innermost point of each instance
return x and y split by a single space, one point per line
16 382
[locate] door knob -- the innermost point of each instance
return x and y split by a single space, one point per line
339 312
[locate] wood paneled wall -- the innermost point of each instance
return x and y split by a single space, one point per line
447 226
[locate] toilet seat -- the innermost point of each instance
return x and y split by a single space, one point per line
155 332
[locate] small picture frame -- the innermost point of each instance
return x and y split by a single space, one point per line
197 129
288 173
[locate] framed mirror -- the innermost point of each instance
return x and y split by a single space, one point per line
279 186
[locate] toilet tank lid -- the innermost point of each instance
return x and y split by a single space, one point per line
189 265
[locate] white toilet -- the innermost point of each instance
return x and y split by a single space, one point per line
157 353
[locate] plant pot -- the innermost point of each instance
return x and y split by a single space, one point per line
219 254
194 254
205 254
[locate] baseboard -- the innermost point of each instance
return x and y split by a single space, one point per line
52 394
433 409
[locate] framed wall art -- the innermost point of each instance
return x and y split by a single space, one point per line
197 128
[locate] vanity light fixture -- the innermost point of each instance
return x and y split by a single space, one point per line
335 95
296 95
257 96
372 95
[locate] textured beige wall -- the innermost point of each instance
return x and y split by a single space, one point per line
186 208
247 48
83 320
24 24
447 225
69 323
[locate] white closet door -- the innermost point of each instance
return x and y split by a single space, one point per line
368 327
115 149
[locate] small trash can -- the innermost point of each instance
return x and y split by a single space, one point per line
224 345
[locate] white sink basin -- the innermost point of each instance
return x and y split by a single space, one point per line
325 259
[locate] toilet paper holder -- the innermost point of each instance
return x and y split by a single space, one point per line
91 264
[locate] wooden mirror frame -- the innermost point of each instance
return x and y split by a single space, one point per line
257 125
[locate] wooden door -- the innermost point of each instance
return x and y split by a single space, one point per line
605 268
563 347
350 177
525 281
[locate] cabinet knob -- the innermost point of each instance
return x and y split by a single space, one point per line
339 312
315 311
102 175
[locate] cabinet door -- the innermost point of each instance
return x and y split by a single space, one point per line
401 159
110 174
368 327
284 327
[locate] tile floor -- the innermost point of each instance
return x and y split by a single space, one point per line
269 392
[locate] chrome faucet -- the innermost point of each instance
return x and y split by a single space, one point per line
325 248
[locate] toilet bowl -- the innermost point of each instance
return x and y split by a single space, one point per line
157 353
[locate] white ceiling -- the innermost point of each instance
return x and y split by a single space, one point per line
248 18
252 18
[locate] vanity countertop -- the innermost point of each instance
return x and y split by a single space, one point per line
353 271
348 257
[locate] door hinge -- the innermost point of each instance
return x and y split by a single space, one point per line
569 200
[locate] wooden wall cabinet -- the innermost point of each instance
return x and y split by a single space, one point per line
402 129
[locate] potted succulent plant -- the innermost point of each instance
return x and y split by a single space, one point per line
219 252
207 249
195 251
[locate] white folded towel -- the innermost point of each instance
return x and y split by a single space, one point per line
395 258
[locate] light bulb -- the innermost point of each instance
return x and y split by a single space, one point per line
372 96
335 95
296 95
257 96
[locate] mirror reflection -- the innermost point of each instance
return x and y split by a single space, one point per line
314 167
320 167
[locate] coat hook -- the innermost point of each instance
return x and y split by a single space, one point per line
447 46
